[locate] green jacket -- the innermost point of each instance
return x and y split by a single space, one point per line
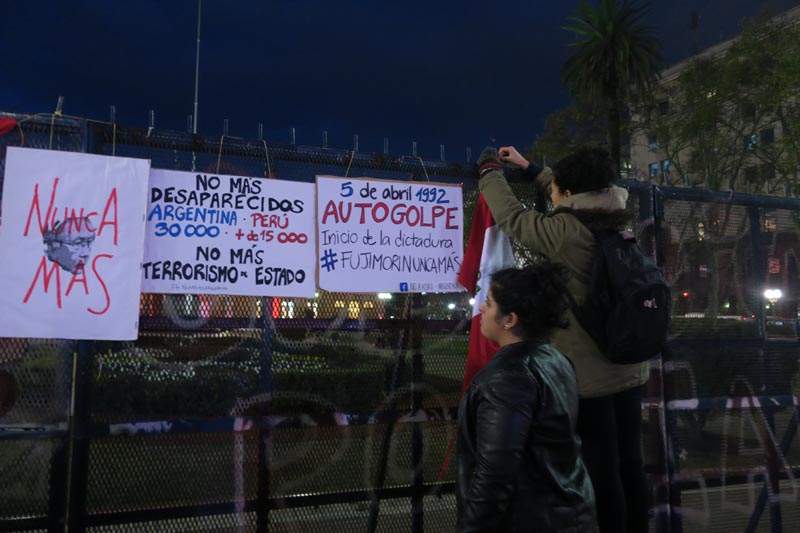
564 237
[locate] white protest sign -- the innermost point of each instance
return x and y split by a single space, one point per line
388 236
209 234
72 234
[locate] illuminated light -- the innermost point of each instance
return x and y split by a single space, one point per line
472 301
384 296
773 294
451 306
685 294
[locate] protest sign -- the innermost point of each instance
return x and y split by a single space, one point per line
388 236
72 235
235 235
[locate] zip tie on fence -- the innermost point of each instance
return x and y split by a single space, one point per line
21 134
56 113
52 125
421 162
266 153
219 154
352 156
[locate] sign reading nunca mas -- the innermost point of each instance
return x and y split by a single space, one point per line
72 233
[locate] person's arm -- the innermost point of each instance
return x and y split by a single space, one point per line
543 234
539 175
504 415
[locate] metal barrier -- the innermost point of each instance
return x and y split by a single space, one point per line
290 414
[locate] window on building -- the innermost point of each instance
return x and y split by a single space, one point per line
654 170
663 107
652 141
767 136
770 224
750 141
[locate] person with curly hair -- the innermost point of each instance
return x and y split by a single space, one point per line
584 199
519 462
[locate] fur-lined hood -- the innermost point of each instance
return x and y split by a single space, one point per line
598 210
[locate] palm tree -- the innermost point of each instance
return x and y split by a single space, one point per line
615 57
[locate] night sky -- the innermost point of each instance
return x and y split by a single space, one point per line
458 73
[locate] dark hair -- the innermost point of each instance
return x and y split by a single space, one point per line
536 293
588 169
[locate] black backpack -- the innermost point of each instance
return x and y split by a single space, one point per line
627 312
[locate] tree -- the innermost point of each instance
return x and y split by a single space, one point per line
616 59
566 130
733 121
763 76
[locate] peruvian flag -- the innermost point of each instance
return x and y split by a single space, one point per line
488 250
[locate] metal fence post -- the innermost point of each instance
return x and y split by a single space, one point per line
403 342
79 440
59 460
671 519
264 431
417 442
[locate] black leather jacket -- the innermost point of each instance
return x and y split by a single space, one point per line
519 463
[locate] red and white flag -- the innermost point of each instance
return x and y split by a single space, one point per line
488 250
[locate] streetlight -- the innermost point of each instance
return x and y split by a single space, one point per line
773 295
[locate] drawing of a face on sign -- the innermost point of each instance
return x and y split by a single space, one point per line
75 224
69 243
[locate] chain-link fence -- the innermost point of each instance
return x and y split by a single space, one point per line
336 412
